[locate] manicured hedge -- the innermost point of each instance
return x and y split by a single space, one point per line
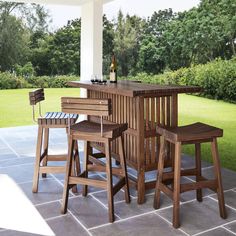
217 78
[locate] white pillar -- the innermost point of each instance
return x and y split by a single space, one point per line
91 40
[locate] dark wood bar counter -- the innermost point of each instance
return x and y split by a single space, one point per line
143 107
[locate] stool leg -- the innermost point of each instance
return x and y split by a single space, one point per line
199 169
37 159
67 175
217 172
124 169
77 159
87 150
161 162
73 170
176 193
109 182
45 149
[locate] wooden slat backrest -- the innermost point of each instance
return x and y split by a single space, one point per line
36 96
96 107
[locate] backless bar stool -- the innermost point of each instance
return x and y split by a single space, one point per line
196 133
50 120
95 132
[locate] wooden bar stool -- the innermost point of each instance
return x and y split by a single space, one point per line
95 132
49 120
196 133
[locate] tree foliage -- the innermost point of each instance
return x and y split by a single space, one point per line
165 40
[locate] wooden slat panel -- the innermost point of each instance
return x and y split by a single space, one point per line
86 106
86 112
163 117
36 92
91 182
168 111
153 127
97 107
36 96
147 149
95 101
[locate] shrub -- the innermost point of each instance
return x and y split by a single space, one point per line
217 78
10 81
61 81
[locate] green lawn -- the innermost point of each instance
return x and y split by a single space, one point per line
15 111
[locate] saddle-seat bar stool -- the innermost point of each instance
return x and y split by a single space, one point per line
95 132
196 133
49 120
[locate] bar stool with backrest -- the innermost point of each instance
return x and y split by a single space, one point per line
95 132
50 120
196 133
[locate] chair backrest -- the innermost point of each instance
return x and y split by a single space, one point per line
36 96
86 106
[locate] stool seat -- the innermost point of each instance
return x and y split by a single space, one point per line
188 133
57 118
94 129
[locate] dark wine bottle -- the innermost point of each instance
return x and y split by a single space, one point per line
113 70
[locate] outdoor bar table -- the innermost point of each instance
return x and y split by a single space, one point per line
143 107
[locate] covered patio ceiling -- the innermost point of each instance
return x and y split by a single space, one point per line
91 33
59 2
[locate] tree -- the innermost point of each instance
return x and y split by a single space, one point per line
17 22
64 49
127 42
13 42
153 49
108 43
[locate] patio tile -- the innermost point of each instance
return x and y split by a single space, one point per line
49 190
149 225
66 226
20 173
15 233
61 226
2 144
88 211
228 177
16 161
6 154
230 198
91 211
102 196
196 217
125 210
191 195
231 226
189 162
49 210
217 232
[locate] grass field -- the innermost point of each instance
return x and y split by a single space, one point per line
15 111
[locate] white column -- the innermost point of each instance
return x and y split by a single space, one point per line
91 40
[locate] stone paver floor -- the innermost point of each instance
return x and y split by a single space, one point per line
88 216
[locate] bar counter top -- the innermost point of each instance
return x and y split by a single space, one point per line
134 89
